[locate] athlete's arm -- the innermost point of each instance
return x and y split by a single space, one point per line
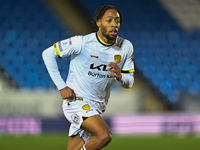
125 76
67 93
61 49
115 69
49 56
125 80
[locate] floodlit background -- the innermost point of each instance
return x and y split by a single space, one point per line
163 107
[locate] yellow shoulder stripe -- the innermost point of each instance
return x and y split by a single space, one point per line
56 50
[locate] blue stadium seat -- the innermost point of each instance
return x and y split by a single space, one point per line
27 28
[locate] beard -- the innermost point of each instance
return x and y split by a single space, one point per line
105 33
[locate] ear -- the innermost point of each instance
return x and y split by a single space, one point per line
98 22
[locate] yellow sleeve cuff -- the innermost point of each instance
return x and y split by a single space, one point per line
128 71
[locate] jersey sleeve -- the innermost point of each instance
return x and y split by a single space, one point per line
128 66
49 57
68 46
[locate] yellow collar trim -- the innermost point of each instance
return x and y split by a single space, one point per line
102 42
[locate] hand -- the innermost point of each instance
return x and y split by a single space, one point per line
67 93
115 69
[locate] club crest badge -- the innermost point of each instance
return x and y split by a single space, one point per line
86 107
118 58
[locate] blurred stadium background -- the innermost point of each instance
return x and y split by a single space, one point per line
164 102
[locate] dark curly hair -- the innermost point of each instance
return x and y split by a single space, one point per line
100 11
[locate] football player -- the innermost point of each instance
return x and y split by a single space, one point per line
98 60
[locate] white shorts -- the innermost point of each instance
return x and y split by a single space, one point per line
77 111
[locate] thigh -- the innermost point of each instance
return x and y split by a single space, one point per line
95 125
75 143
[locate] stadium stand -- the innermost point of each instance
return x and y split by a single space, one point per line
165 54
186 12
26 29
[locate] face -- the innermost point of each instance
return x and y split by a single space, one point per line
109 25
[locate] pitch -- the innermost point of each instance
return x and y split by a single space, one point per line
59 142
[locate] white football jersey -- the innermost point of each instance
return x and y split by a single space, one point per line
87 75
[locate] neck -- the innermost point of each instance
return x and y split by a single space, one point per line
104 40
